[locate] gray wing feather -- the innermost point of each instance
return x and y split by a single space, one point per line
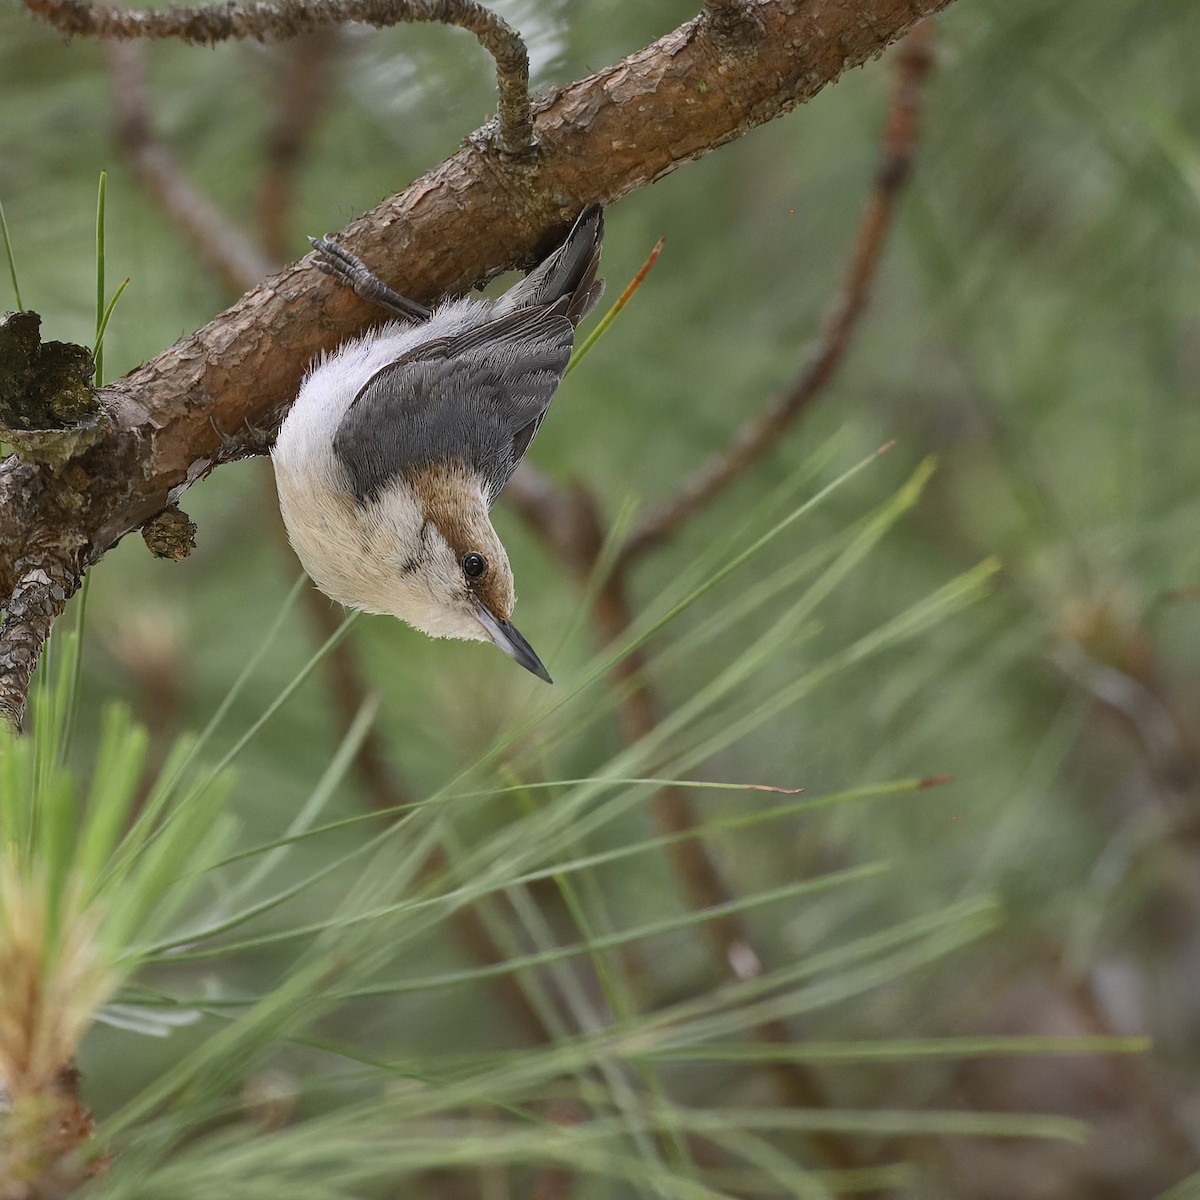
477 396
569 272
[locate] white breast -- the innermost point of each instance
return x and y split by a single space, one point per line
360 555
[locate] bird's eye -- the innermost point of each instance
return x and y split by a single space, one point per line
474 565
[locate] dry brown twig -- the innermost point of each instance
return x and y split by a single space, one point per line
216 395
236 260
573 528
301 91
225 250
760 434
669 78
207 24
701 879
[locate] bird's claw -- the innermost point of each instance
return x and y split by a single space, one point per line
338 263
348 269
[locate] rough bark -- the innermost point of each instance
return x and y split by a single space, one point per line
218 394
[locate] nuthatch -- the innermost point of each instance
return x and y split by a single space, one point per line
400 441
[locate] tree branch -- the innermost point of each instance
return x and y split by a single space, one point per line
760 435
205 25
218 394
301 92
734 23
571 525
232 256
729 12
44 585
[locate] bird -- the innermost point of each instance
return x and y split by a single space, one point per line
399 442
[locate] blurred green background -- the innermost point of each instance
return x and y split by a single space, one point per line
1033 325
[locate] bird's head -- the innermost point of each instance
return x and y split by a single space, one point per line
461 583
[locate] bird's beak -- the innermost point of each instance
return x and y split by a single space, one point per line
509 639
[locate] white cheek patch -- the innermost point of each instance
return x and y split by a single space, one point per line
442 570
381 556
435 603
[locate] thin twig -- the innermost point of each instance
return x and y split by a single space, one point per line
386 795
216 395
762 432
300 93
601 326
1169 757
232 256
206 25
1138 1082
571 525
240 265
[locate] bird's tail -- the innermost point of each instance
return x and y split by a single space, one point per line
569 272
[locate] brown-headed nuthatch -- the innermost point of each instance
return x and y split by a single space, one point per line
399 443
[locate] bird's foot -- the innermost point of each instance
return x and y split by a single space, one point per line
349 270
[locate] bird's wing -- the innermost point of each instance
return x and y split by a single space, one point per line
478 396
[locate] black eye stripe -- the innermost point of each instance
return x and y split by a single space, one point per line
474 565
